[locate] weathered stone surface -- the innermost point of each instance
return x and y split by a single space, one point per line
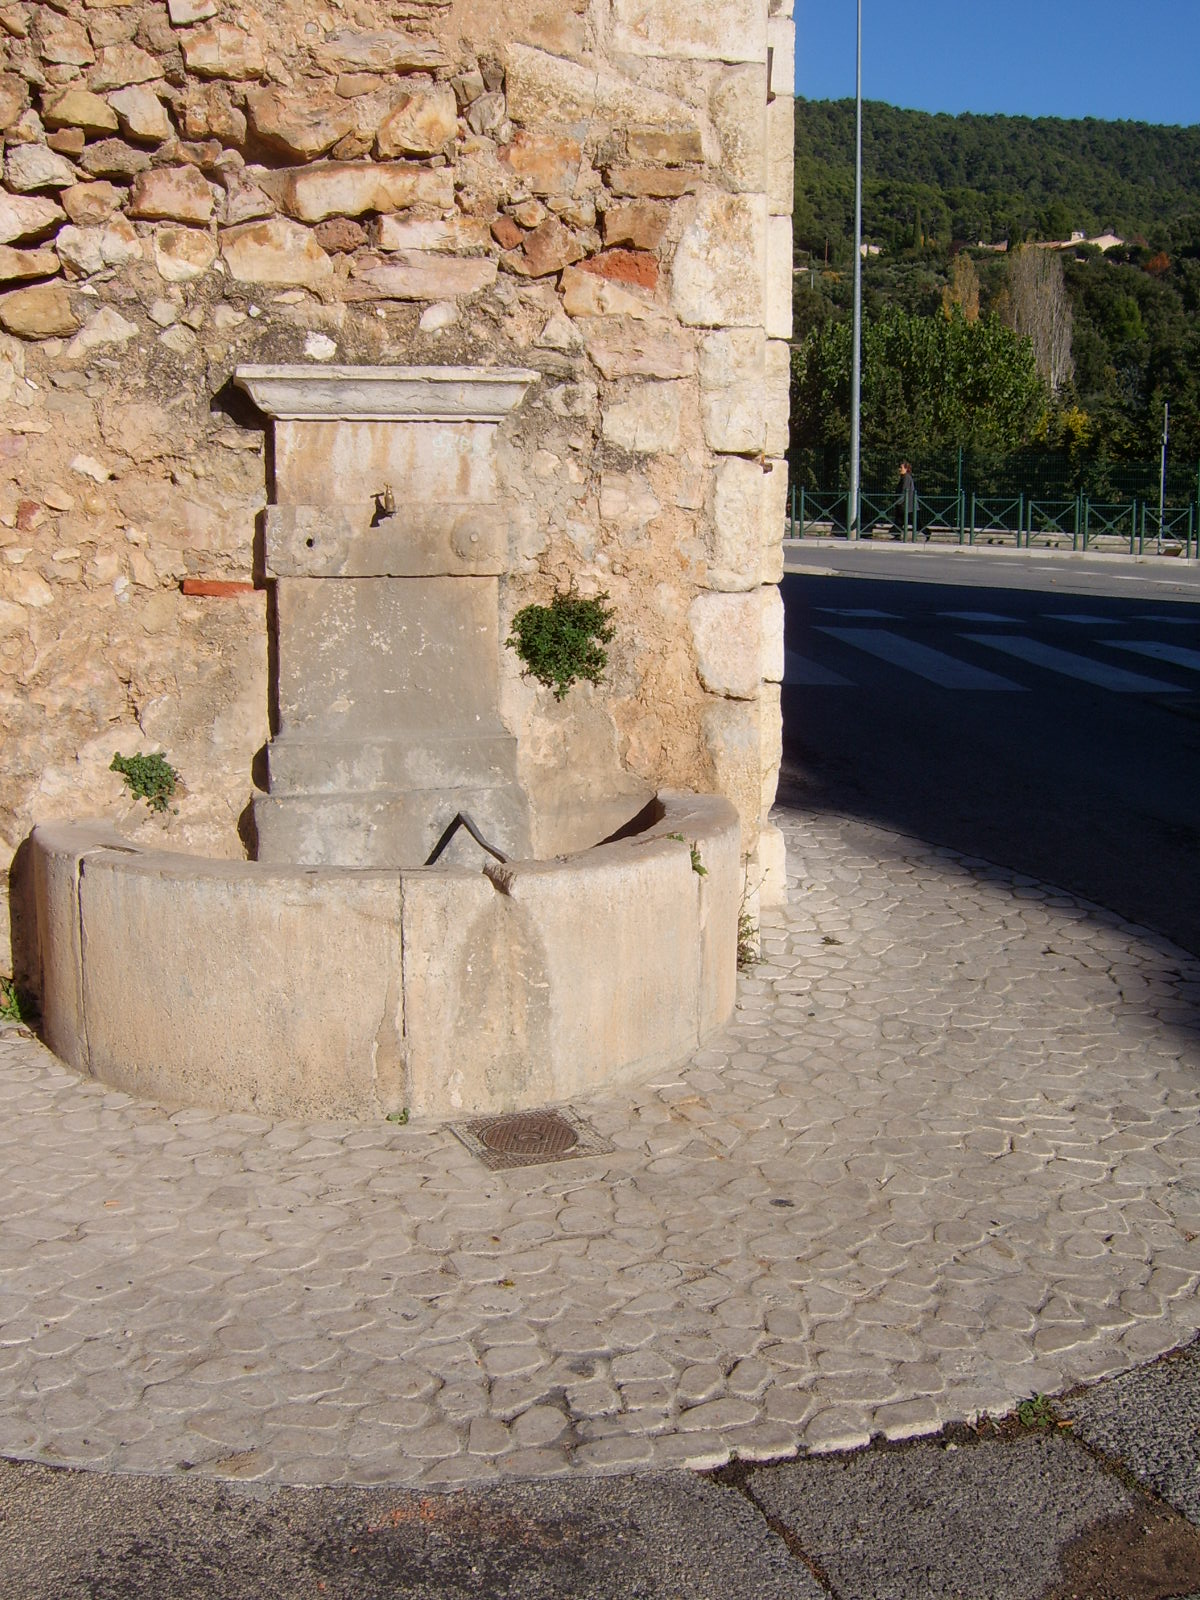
377 50
421 277
209 113
181 254
623 347
29 167
670 147
62 41
27 217
488 115
779 277
172 194
624 266
666 183
586 295
80 108
419 123
719 269
18 264
506 233
107 327
545 89
640 224
644 418
339 234
774 516
455 234
738 110
627 502
113 158
142 114
42 311
93 249
781 167
732 389
185 12
705 30
735 545
89 203
223 51
548 248
275 251
301 125
777 401
121 64
727 633
12 99
350 189
244 200
547 163
781 42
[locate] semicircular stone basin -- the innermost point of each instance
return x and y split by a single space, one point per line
331 992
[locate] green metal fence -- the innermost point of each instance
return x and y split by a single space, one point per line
1022 500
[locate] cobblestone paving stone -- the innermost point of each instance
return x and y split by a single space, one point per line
947 1155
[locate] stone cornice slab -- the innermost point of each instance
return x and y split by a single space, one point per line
385 394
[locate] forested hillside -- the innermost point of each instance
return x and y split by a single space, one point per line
1112 335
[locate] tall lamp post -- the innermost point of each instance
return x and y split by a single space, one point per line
852 517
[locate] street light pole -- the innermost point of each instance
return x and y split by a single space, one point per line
852 516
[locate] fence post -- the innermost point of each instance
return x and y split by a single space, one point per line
1075 535
972 539
1020 517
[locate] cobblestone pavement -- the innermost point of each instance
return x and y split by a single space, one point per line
947 1155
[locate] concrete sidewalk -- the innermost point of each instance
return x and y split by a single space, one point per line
946 1158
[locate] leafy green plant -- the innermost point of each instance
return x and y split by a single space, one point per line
747 942
400 1117
149 778
1036 1412
698 866
564 641
10 1002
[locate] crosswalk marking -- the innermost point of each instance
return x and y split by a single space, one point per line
976 616
919 658
1174 622
1175 654
1116 679
1084 619
849 611
798 669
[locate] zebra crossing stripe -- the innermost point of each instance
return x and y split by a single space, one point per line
1084 619
799 669
1116 679
932 665
1175 654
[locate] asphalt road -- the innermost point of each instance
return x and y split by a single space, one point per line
1044 715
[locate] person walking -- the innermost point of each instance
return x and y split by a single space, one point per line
906 500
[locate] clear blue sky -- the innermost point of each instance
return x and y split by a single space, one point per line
1135 59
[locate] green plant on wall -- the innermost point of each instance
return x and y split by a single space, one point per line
149 778
564 641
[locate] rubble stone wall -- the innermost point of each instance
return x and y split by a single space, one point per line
597 189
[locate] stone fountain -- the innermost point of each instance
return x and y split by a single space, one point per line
339 975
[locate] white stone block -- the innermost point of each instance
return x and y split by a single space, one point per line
703 30
768 867
781 156
774 522
737 109
727 634
776 397
719 274
733 376
779 277
646 419
781 47
736 541
771 665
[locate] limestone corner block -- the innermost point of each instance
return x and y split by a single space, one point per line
771 660
774 525
645 420
781 42
737 108
781 156
732 740
704 30
735 552
779 277
720 263
732 379
727 632
777 397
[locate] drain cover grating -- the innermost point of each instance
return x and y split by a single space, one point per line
525 1138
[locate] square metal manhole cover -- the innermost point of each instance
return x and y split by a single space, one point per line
526 1138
